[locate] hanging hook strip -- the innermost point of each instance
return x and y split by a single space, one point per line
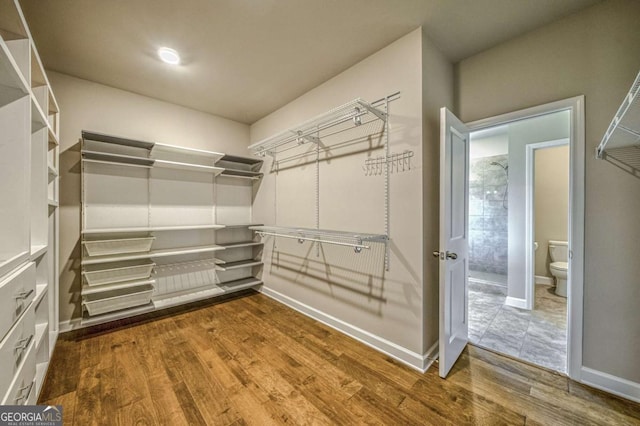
397 162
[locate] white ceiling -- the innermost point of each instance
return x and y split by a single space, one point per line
243 59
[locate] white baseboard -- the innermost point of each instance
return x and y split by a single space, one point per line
541 279
405 356
612 384
516 302
69 325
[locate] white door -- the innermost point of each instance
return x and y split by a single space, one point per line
454 228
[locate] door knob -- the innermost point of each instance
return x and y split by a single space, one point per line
436 253
450 255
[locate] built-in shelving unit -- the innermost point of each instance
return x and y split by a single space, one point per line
331 124
624 130
152 231
29 142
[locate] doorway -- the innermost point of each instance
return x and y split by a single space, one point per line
511 199
515 310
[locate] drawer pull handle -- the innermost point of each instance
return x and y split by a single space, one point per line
23 295
22 395
23 344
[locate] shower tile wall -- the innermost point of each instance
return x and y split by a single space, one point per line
488 219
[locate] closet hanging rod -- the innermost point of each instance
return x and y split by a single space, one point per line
358 247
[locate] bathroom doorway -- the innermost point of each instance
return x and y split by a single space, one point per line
513 305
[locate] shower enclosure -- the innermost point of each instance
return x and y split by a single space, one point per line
488 219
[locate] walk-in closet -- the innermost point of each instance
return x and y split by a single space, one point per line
294 212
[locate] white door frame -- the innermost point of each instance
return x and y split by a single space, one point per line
576 214
530 262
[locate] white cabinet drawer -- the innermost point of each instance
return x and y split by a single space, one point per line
13 348
24 382
17 290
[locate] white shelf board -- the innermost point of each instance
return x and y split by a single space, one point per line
188 166
38 250
100 137
241 284
152 254
53 139
160 147
38 119
228 246
238 265
116 286
108 157
252 161
115 163
149 229
52 170
41 290
40 334
170 301
10 77
240 174
112 316
52 203
242 225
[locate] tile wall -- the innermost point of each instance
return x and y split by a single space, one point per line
488 220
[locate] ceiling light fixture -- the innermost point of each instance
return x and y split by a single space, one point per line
169 55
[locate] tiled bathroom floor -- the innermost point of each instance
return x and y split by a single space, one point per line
488 276
538 336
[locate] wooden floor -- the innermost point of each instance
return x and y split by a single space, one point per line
250 360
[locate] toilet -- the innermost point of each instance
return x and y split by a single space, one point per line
558 250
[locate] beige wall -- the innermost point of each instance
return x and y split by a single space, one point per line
595 53
90 106
353 288
437 92
551 201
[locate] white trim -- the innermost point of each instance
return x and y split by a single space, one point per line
412 359
69 325
576 203
612 384
516 302
541 279
529 238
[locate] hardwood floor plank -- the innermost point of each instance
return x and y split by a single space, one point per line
88 404
592 411
68 403
250 360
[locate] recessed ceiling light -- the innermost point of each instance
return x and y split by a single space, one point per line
169 55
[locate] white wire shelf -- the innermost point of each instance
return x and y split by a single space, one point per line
342 238
86 290
152 254
229 246
624 130
242 174
238 265
188 166
149 229
308 130
159 147
108 157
